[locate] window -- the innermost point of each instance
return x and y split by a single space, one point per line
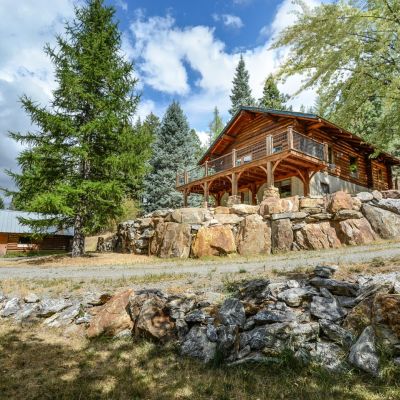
353 167
325 188
285 187
277 149
380 175
247 158
331 158
24 242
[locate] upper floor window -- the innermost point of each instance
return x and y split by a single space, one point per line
353 167
331 157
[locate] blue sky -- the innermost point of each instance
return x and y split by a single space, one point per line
183 50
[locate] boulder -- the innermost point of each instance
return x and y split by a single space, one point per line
49 307
347 214
326 308
329 356
340 288
392 205
364 197
272 316
355 231
11 307
386 310
357 203
63 318
317 236
377 195
391 194
273 205
271 191
254 236
294 297
214 241
31 298
196 344
282 235
363 353
385 223
232 313
189 215
311 202
112 317
231 219
228 339
222 210
336 333
234 199
339 201
171 239
325 271
244 209
197 316
150 315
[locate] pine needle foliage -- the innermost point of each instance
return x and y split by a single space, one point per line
350 51
272 97
241 92
86 156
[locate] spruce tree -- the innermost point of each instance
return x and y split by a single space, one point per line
272 97
174 150
241 92
1 203
86 156
215 126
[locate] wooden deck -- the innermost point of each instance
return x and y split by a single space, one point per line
282 155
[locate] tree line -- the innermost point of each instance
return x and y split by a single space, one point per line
90 157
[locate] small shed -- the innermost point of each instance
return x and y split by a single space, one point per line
16 237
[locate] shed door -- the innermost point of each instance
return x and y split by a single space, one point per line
3 243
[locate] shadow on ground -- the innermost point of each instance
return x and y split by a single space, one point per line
39 364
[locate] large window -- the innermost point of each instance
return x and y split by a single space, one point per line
353 167
24 242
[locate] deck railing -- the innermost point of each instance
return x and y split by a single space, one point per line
277 143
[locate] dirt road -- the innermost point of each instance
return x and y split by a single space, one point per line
286 262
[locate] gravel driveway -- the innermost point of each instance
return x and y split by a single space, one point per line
287 262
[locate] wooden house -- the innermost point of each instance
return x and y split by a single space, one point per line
301 154
16 237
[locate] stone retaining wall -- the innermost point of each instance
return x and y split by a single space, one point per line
276 225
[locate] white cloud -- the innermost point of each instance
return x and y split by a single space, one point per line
165 52
203 136
24 68
229 20
122 4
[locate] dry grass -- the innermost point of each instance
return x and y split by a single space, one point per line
38 363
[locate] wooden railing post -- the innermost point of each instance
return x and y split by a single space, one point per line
186 177
326 152
206 168
290 137
234 158
269 145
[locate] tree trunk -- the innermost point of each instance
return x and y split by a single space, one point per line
78 242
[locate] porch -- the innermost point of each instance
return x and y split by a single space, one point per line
283 155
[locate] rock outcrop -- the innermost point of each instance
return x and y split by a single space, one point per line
276 225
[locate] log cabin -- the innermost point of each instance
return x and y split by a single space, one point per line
299 153
16 237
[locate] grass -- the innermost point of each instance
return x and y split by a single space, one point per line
32 253
38 363
59 286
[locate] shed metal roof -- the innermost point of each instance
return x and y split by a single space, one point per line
9 223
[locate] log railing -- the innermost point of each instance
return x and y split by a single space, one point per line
277 143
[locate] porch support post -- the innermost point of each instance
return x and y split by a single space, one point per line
234 184
206 195
269 145
218 198
306 183
270 174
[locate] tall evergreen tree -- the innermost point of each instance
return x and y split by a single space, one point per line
86 156
1 203
241 92
272 97
215 126
174 150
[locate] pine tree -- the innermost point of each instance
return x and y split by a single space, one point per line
86 156
215 126
1 203
241 92
174 150
272 97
